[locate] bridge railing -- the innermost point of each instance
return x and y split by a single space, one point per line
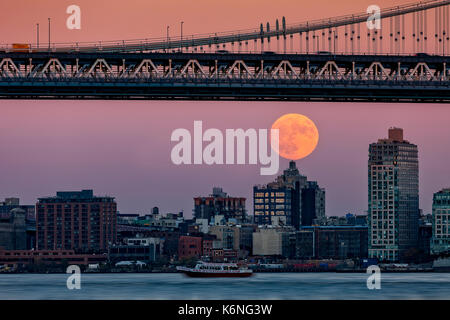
210 69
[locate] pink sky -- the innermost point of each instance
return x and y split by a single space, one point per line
139 19
122 148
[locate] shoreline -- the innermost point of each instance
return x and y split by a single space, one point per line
255 272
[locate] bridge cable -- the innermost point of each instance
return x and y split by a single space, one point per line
307 42
301 44
447 27
441 44
359 38
426 32
391 36
336 38
353 40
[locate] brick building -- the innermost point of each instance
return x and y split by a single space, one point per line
189 247
20 258
76 220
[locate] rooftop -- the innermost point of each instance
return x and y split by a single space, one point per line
83 195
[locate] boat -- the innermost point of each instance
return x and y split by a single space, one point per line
216 270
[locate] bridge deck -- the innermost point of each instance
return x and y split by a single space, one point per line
224 76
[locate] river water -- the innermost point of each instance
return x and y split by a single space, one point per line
259 286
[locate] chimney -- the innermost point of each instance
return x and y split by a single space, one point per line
396 134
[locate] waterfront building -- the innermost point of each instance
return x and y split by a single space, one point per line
208 244
238 237
13 231
267 241
305 244
76 220
272 241
425 235
290 197
21 258
6 207
245 236
227 235
312 203
12 203
136 249
220 203
332 242
189 247
393 194
224 255
440 242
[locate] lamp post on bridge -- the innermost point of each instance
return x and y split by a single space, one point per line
37 35
49 28
167 41
181 36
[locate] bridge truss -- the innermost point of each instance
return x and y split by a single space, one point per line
225 76
399 63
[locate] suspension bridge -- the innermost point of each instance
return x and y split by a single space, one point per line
336 59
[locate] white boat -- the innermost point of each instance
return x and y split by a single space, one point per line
211 270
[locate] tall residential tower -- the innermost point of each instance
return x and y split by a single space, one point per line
393 176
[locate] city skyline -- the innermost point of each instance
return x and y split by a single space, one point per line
123 149
224 152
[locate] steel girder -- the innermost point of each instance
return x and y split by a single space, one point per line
156 75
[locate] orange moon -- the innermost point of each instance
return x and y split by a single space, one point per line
298 136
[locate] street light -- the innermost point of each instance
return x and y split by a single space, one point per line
37 35
49 28
167 38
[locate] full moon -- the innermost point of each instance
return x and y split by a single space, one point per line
298 136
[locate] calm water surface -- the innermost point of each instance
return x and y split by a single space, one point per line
260 286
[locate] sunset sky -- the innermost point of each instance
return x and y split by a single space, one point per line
122 148
140 19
